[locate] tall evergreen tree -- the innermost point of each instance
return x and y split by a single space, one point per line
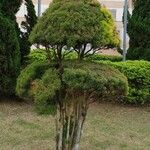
9 8
9 56
27 25
139 31
9 46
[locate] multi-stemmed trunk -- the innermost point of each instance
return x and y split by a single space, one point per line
72 108
69 123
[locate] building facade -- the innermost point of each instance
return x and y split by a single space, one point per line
115 6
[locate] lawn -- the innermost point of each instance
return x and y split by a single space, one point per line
108 127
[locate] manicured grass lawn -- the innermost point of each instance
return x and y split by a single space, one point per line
108 127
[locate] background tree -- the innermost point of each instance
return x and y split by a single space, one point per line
139 31
9 8
27 25
9 56
9 46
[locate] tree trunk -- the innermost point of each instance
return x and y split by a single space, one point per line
69 124
70 113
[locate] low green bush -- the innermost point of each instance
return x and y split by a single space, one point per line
40 55
98 57
41 83
37 55
138 74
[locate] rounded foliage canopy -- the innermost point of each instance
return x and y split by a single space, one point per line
74 22
40 81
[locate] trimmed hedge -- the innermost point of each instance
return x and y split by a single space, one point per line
40 81
138 74
98 57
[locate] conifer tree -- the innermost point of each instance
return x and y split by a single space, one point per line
9 56
70 24
139 31
9 46
27 25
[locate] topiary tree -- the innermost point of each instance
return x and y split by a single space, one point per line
69 24
31 20
9 56
139 31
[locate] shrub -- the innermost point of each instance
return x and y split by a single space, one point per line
37 55
41 55
138 74
98 57
106 82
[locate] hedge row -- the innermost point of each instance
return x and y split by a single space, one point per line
138 74
99 57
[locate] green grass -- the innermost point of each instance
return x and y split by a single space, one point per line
108 127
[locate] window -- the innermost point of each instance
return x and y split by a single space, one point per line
113 12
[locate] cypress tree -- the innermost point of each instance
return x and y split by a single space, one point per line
31 20
9 8
139 31
9 46
9 56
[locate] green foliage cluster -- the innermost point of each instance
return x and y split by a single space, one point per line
74 24
98 57
110 36
40 81
139 31
105 82
138 74
9 8
27 75
62 23
9 56
37 55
